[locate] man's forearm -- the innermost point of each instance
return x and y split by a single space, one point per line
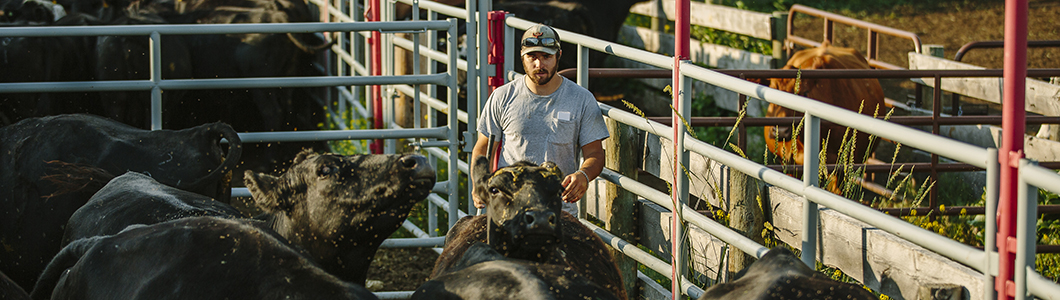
592 167
593 160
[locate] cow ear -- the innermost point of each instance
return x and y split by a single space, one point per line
265 189
305 153
552 170
482 175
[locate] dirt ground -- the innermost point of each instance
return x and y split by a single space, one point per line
949 23
402 269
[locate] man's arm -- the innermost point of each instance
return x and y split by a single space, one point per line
576 183
480 149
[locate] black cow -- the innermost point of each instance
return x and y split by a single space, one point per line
128 58
781 275
45 59
9 290
524 220
338 208
252 55
600 19
483 273
34 211
190 258
135 198
341 208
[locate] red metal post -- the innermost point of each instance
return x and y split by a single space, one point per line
376 70
496 55
681 52
1013 127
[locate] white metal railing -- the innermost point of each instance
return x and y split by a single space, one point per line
983 261
352 67
446 135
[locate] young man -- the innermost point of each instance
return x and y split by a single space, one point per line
542 116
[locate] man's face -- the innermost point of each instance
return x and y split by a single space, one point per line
541 66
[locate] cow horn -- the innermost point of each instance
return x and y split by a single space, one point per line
309 48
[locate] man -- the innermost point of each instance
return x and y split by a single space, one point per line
542 116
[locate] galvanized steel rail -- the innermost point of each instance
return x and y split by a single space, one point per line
980 260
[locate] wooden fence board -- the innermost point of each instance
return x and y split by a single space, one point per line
721 17
1042 98
707 54
880 260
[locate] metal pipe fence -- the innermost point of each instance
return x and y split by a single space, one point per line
983 261
353 63
443 136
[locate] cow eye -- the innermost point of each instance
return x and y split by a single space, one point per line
325 170
494 190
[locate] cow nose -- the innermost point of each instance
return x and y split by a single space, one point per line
539 220
417 165
783 133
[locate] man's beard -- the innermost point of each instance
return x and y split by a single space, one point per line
546 79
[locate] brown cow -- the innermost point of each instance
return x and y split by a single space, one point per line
856 94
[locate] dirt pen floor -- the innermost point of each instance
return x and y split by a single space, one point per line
949 23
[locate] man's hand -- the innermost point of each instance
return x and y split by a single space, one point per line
574 186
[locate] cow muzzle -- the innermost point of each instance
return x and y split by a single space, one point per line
781 133
540 222
418 168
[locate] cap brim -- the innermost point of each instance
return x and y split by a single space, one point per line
550 51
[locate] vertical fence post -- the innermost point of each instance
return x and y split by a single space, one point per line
989 233
417 114
681 104
745 217
403 108
810 159
583 81
432 91
473 100
1026 237
659 20
156 77
376 70
1013 128
622 157
454 127
779 23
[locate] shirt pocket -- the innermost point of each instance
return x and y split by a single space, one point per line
563 132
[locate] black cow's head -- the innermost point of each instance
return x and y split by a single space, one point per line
523 202
341 208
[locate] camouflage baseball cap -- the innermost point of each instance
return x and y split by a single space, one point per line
541 38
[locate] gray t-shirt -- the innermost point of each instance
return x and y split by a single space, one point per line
542 128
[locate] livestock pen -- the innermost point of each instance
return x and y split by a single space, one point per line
361 67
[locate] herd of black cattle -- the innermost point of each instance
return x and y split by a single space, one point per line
96 209
93 206
89 58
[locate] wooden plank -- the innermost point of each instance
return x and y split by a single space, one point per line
718 56
708 54
879 260
876 258
706 254
706 178
720 17
651 290
623 158
745 216
1042 98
